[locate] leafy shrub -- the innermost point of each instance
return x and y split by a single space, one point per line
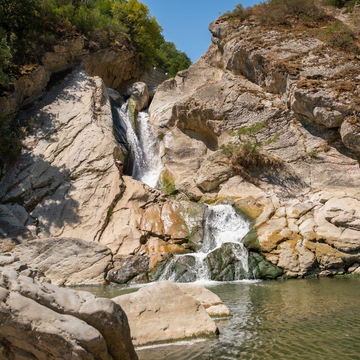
246 154
283 12
168 182
5 57
239 13
351 5
32 27
170 59
340 36
335 3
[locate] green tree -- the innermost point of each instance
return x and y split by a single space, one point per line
5 57
171 59
143 29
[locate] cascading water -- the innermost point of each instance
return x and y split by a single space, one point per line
145 158
223 225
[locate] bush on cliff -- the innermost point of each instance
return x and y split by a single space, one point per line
300 13
10 139
285 12
245 154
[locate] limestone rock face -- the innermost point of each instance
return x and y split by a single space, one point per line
65 178
239 82
42 321
306 92
146 226
178 316
66 261
34 83
319 236
116 67
350 135
214 171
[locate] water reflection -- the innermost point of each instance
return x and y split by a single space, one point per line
294 319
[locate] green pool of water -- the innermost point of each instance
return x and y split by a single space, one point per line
293 319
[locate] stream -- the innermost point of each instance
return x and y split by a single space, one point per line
280 320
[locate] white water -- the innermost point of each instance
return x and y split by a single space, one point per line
145 158
222 225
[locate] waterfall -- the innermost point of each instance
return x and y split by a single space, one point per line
223 229
145 158
223 225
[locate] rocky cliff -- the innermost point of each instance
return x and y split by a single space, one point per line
305 201
302 199
116 66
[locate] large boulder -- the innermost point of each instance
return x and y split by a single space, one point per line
65 177
33 83
210 301
132 268
139 94
42 321
66 261
178 316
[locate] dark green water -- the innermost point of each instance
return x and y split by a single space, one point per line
293 319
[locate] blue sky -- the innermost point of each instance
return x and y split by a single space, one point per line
186 22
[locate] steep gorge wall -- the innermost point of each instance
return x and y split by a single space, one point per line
308 94
65 184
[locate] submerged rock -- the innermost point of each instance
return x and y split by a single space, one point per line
42 321
161 312
259 268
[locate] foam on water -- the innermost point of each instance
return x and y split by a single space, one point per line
222 225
